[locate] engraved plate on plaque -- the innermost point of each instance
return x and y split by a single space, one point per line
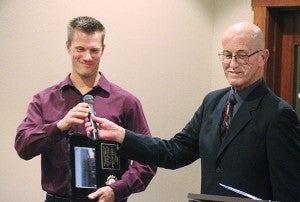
110 160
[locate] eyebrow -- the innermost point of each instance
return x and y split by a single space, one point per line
238 51
93 48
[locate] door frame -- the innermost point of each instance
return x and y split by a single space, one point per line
279 79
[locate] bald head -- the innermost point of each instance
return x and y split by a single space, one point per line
248 31
245 54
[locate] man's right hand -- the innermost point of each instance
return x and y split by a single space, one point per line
107 130
75 116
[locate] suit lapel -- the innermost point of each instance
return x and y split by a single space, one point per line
216 121
243 115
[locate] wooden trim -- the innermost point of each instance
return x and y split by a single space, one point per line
287 61
278 72
275 3
260 17
261 20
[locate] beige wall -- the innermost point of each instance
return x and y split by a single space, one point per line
162 51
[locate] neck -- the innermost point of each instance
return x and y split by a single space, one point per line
84 85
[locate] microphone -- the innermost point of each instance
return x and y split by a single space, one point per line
90 100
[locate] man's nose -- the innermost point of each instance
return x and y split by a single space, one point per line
87 56
233 62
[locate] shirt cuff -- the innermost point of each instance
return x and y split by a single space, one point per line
54 133
121 190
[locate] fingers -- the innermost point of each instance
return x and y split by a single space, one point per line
94 195
103 194
107 130
97 119
88 128
75 116
103 122
80 111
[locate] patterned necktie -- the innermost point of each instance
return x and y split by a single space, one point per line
227 115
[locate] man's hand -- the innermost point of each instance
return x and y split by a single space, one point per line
75 116
104 194
107 130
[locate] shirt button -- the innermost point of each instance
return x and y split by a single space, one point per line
218 169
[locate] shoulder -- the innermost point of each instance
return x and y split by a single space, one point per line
128 99
273 101
213 100
49 91
119 91
115 90
278 110
267 98
216 95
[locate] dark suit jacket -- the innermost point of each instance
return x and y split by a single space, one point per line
260 153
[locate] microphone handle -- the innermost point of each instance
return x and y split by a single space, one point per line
94 133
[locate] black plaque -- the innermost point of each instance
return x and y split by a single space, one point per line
93 164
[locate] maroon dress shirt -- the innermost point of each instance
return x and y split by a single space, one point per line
38 134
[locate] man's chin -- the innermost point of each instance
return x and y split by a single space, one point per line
87 75
234 82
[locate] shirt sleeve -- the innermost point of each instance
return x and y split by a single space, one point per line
138 175
35 137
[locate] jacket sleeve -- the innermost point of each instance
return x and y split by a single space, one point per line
179 151
283 149
138 175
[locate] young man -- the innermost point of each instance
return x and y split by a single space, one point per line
255 149
59 110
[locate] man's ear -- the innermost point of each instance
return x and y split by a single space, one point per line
68 45
265 56
103 47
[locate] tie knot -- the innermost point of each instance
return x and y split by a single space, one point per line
232 99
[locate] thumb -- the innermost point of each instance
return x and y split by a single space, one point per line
95 118
93 195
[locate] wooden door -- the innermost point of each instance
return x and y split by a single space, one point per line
280 21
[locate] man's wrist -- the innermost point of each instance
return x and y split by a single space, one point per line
61 127
120 135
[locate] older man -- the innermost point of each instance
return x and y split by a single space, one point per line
246 136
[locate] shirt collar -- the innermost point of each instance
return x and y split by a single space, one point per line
242 95
103 84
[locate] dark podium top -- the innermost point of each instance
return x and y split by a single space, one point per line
215 198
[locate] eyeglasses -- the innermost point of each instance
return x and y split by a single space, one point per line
227 56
